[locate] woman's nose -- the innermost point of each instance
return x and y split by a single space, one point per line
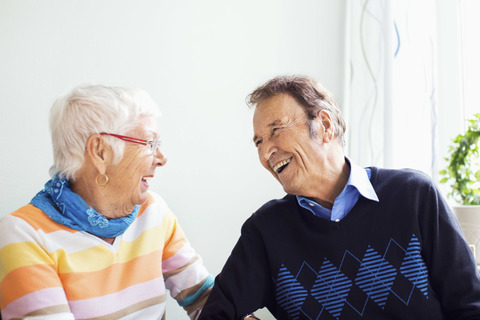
160 158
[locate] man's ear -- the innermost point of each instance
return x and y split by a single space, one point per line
326 129
97 152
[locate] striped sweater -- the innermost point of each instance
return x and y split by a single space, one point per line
49 271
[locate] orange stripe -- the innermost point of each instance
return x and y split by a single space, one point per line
28 279
150 200
39 220
86 285
177 238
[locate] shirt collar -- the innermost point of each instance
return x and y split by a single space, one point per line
360 179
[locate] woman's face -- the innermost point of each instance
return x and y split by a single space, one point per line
128 179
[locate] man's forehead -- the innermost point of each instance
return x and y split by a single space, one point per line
270 119
272 115
278 104
276 120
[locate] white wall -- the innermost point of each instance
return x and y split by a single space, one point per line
198 60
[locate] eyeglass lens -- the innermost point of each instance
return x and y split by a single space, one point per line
155 145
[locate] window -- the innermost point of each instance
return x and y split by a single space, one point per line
470 55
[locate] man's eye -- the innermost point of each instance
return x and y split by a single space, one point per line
257 143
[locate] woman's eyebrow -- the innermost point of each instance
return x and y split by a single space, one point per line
152 132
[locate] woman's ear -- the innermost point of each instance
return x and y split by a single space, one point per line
97 152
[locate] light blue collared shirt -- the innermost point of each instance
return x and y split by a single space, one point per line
358 184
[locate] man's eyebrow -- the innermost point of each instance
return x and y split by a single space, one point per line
270 125
275 123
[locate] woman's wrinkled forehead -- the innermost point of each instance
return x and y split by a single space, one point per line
147 127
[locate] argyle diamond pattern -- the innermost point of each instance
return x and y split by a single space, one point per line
375 280
376 277
414 268
290 293
331 288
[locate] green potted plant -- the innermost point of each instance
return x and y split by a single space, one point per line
463 175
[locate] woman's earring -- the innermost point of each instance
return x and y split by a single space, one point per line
105 179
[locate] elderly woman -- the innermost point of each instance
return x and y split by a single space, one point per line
95 243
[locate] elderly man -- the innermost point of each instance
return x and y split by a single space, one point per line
345 242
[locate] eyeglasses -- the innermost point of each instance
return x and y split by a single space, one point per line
153 144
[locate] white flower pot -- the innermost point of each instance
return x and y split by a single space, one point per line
469 219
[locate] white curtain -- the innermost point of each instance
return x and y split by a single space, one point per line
390 87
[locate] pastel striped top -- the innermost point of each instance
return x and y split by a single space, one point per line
49 271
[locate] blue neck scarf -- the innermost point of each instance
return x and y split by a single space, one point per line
66 207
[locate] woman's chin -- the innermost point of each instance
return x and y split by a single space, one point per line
141 199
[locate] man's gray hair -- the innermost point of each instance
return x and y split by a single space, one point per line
310 94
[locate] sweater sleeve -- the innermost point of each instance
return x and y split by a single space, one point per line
242 287
184 272
29 283
453 272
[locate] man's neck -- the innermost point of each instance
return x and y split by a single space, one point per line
334 187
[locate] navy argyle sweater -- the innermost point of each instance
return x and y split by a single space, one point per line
400 258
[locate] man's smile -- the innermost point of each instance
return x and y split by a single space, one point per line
280 166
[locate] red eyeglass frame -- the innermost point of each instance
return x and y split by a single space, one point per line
154 144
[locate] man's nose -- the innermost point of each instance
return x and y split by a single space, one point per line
268 150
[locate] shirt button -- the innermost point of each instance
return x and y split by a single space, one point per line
337 220
311 204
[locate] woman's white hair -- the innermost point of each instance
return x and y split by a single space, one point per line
92 109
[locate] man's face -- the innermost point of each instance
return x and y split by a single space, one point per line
286 148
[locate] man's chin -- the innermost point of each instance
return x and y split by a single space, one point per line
290 189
